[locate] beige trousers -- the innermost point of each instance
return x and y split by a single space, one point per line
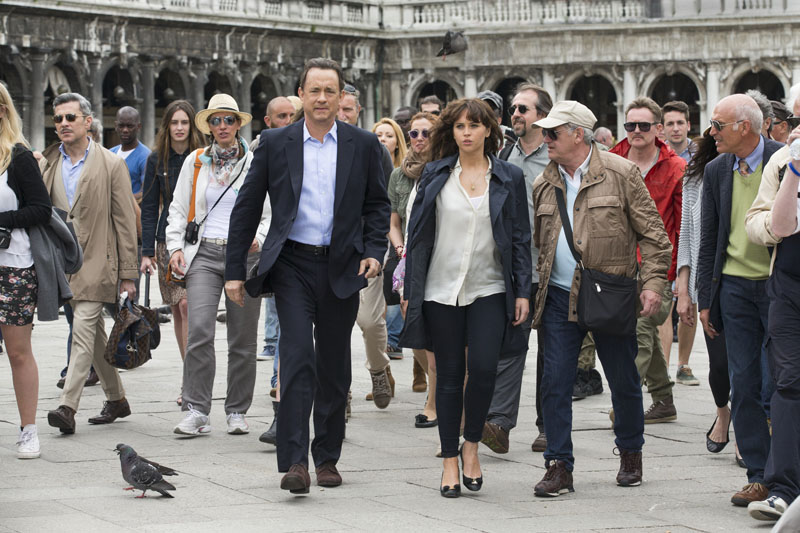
88 346
372 321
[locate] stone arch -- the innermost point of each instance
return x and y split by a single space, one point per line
416 86
60 78
216 83
681 87
766 70
763 80
11 76
263 89
119 90
596 92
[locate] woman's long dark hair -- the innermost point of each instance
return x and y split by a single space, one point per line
443 143
705 152
164 141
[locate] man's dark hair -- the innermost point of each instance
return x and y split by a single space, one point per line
432 99
544 103
325 64
675 105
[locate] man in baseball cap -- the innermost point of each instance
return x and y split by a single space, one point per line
495 101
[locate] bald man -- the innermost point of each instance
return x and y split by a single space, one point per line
128 125
279 113
732 275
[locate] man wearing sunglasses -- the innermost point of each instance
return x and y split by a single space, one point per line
81 177
611 213
431 104
731 277
783 123
530 103
662 171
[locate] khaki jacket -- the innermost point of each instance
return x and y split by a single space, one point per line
103 214
613 213
758 221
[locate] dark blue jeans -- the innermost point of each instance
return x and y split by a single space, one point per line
745 307
562 340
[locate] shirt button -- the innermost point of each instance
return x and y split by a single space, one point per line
579 242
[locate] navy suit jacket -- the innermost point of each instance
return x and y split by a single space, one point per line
361 208
716 228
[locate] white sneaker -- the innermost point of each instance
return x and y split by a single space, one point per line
770 509
28 443
194 423
237 425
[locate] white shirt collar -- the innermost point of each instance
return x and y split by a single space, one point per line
333 132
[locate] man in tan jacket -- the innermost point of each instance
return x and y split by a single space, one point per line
611 213
93 186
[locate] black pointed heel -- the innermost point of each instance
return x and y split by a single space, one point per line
713 446
470 483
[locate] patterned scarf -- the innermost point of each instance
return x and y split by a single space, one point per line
222 162
413 163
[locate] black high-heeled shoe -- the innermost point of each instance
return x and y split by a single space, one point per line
473 484
449 492
714 446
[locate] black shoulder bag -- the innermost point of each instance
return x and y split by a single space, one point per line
606 302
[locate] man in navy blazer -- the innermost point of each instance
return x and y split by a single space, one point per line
330 218
732 274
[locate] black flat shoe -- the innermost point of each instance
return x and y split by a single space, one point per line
470 483
450 492
422 421
740 461
713 446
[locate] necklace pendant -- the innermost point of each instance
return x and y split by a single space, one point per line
472 187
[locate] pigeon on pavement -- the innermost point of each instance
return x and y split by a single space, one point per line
142 474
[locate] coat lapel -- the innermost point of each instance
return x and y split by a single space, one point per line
498 193
344 162
294 155
726 192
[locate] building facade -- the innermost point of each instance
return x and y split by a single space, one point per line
146 53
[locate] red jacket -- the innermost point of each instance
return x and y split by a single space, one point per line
665 183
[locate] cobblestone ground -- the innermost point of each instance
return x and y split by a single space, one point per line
391 476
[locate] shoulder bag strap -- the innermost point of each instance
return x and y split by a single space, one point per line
562 209
197 166
223 194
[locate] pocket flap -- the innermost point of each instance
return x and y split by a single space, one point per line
545 209
604 201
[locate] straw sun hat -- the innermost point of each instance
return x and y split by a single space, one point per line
219 103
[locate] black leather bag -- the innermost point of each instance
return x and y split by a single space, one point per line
606 302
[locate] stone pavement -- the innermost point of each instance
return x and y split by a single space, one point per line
391 476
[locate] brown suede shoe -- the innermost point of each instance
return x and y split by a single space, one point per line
661 411
420 383
556 481
63 418
752 492
111 411
296 480
381 388
369 396
495 437
630 469
540 444
328 475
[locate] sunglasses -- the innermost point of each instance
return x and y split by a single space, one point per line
792 122
71 117
644 127
437 113
717 125
229 120
522 109
551 133
416 133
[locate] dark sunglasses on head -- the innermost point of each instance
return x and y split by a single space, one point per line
71 117
416 133
229 120
644 127
522 109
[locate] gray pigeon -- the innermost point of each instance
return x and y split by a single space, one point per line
143 474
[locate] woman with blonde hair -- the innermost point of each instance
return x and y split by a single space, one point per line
391 136
24 202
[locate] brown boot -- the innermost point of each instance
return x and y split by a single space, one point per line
369 396
328 475
296 480
630 469
420 379
381 388
556 481
111 411
62 418
661 411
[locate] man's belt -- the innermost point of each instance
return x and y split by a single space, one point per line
308 248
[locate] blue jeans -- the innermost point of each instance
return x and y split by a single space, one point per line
272 328
394 324
562 343
745 307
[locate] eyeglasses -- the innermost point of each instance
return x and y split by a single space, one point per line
717 125
644 127
229 120
416 133
552 133
791 122
437 113
522 109
71 117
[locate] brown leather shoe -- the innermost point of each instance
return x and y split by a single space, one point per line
420 383
495 437
630 469
556 481
752 492
63 418
296 480
111 411
328 475
60 383
540 444
92 379
661 411
381 388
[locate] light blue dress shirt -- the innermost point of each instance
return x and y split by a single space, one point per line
71 173
314 221
754 159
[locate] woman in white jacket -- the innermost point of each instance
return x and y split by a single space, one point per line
197 233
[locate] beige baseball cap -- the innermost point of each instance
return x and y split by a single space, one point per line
568 111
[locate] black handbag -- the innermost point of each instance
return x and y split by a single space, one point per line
606 302
135 334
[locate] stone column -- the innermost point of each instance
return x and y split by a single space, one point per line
96 85
369 114
796 73
394 93
38 111
148 111
549 83
244 100
712 90
470 84
198 86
